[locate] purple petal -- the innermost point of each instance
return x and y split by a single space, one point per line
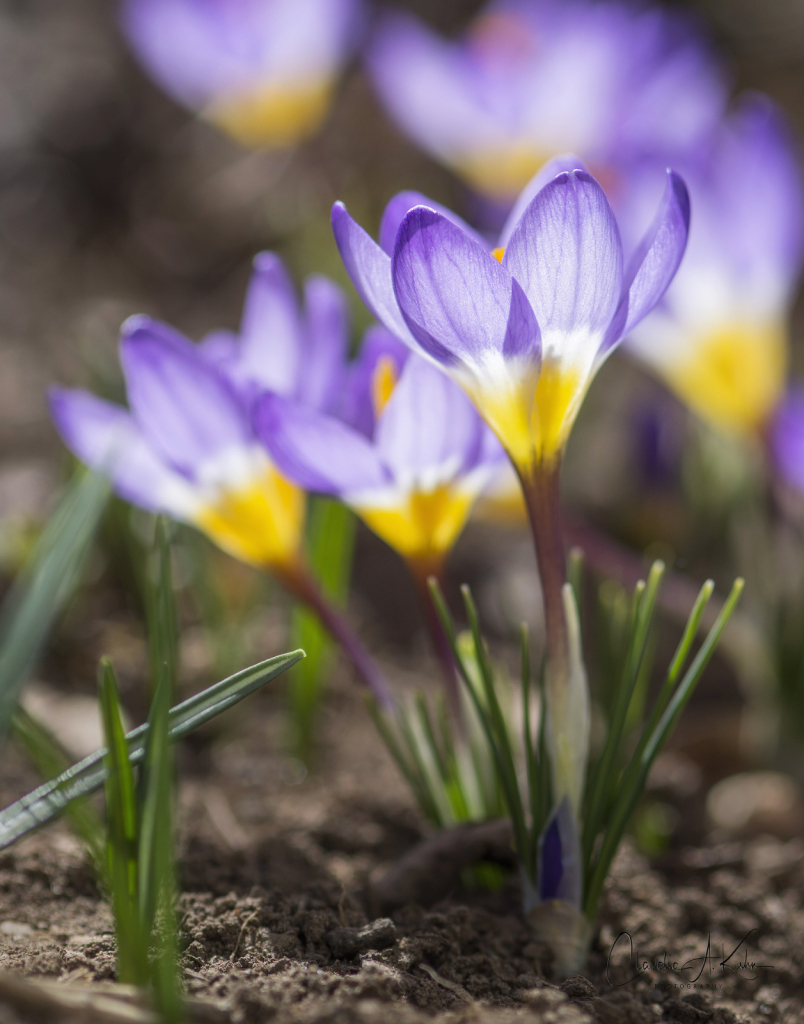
370 270
317 451
271 331
220 348
357 405
106 437
560 869
186 410
544 176
430 431
787 438
566 253
423 82
460 304
655 262
401 204
200 50
326 344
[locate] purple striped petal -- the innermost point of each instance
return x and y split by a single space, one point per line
323 370
543 177
655 262
403 202
106 437
271 331
430 431
370 270
317 451
566 254
185 409
461 305
357 406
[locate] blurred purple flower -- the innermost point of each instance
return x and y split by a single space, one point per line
262 70
186 445
720 336
786 438
523 328
609 81
413 478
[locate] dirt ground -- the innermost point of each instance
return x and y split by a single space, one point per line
278 923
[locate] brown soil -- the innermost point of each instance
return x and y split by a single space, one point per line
277 921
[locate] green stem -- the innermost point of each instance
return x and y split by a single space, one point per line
298 579
540 486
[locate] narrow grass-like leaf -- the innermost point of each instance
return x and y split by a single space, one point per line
50 760
602 781
406 764
45 584
156 771
156 891
494 722
638 770
121 817
49 799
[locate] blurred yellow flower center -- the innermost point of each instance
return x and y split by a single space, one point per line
261 524
498 253
383 382
273 116
425 525
501 174
734 377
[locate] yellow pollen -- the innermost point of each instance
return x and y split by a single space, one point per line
734 377
383 382
424 526
261 524
498 253
273 116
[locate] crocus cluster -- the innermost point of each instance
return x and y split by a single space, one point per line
187 447
261 70
531 78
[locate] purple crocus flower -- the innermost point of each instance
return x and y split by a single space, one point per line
786 438
413 476
262 70
607 80
720 337
186 446
523 328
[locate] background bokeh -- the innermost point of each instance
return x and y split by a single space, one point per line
114 200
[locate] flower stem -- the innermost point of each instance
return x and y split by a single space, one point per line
422 570
300 582
540 486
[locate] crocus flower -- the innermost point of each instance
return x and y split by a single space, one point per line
720 337
412 477
786 437
523 329
607 80
413 481
261 70
186 446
